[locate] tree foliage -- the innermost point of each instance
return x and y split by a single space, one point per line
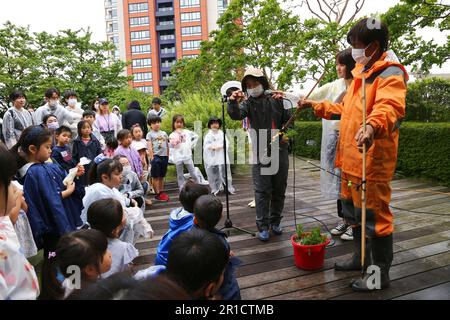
68 60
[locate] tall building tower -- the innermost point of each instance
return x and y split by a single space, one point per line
153 34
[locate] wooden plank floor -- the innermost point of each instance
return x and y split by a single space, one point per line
421 266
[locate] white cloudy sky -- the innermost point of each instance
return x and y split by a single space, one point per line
53 15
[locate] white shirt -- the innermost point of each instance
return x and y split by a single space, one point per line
181 144
213 149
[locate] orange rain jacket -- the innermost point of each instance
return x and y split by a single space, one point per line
385 96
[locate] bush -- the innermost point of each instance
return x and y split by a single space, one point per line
423 147
428 100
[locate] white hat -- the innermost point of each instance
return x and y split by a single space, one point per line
230 85
139 145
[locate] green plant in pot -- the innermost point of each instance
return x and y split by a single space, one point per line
309 248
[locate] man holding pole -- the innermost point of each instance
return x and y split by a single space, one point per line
367 151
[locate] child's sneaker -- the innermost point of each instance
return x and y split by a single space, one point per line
163 197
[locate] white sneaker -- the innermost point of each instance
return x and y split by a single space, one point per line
348 235
252 204
339 229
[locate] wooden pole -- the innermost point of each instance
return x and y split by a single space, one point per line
363 184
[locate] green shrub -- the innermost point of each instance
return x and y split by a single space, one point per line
424 148
428 100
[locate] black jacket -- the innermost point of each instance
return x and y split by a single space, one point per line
132 116
263 113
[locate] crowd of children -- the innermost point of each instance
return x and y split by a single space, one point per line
85 180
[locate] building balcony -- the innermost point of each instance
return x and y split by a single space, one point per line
164 27
168 54
164 12
163 1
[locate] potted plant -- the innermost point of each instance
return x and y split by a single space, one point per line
309 248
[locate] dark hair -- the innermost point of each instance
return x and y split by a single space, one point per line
208 210
49 92
16 94
70 93
48 116
112 142
262 80
89 113
156 101
345 57
175 118
122 134
81 248
134 105
366 32
159 287
31 136
196 258
107 166
190 192
63 129
105 215
93 104
110 288
8 169
153 119
80 126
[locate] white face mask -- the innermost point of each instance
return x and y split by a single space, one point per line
53 126
126 170
256 92
359 55
72 102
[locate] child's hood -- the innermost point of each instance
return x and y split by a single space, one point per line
179 217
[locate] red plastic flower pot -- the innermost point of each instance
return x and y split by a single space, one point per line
309 257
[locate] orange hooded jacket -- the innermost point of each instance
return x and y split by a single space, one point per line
385 96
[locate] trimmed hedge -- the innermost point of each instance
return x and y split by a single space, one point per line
424 148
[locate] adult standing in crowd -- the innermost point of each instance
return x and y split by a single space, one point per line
71 99
53 106
133 116
16 118
107 122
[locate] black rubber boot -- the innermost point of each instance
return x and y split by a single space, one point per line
382 254
354 263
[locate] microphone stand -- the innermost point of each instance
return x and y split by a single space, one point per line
228 222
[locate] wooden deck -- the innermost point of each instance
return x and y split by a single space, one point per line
421 266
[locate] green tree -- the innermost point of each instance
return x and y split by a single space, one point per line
67 60
409 16
123 96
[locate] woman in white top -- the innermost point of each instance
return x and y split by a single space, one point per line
106 122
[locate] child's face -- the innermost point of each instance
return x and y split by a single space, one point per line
63 138
156 106
124 162
215 125
90 119
106 262
51 120
20 102
137 133
179 124
118 231
252 83
44 152
156 126
341 70
114 180
86 130
126 142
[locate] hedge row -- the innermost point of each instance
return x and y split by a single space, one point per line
424 148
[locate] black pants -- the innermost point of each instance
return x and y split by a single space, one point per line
339 209
270 192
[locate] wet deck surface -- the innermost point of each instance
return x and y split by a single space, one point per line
421 266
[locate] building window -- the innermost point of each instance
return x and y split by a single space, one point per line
139 21
143 48
189 3
190 56
142 63
114 39
191 31
142 76
139 35
191 45
138 7
190 16
145 89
